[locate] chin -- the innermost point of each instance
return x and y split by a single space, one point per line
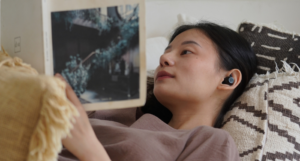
161 89
164 95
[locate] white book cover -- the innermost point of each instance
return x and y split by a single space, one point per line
97 45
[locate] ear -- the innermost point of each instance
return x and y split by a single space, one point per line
237 76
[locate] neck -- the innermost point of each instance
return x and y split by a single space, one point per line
190 116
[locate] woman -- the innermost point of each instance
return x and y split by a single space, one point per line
203 70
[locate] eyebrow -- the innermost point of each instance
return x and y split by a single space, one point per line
184 43
190 42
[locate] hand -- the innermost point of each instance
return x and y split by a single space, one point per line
83 142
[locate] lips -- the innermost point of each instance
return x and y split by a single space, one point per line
163 75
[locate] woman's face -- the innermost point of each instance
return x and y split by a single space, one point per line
189 69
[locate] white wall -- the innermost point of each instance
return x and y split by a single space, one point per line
161 15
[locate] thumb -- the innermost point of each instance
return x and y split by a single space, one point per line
70 92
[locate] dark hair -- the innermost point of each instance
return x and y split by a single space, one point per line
234 53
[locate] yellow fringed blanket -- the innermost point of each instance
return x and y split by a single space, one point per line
35 113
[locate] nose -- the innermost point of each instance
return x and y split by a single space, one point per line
166 60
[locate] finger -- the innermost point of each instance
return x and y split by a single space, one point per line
72 96
69 92
63 79
60 77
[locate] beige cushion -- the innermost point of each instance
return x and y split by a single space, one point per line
264 121
34 112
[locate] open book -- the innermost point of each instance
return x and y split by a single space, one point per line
97 45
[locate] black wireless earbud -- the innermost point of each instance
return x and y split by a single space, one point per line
228 80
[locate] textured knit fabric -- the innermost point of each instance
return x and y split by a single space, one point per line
271 46
265 121
150 139
34 112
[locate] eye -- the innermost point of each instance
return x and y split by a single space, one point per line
185 52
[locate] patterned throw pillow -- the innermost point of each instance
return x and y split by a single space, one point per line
271 45
265 120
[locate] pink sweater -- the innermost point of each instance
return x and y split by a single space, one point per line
150 139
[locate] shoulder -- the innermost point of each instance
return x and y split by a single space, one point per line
213 133
210 144
217 138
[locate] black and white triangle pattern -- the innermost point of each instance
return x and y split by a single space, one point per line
265 120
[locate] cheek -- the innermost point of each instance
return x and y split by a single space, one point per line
195 81
198 81
197 72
